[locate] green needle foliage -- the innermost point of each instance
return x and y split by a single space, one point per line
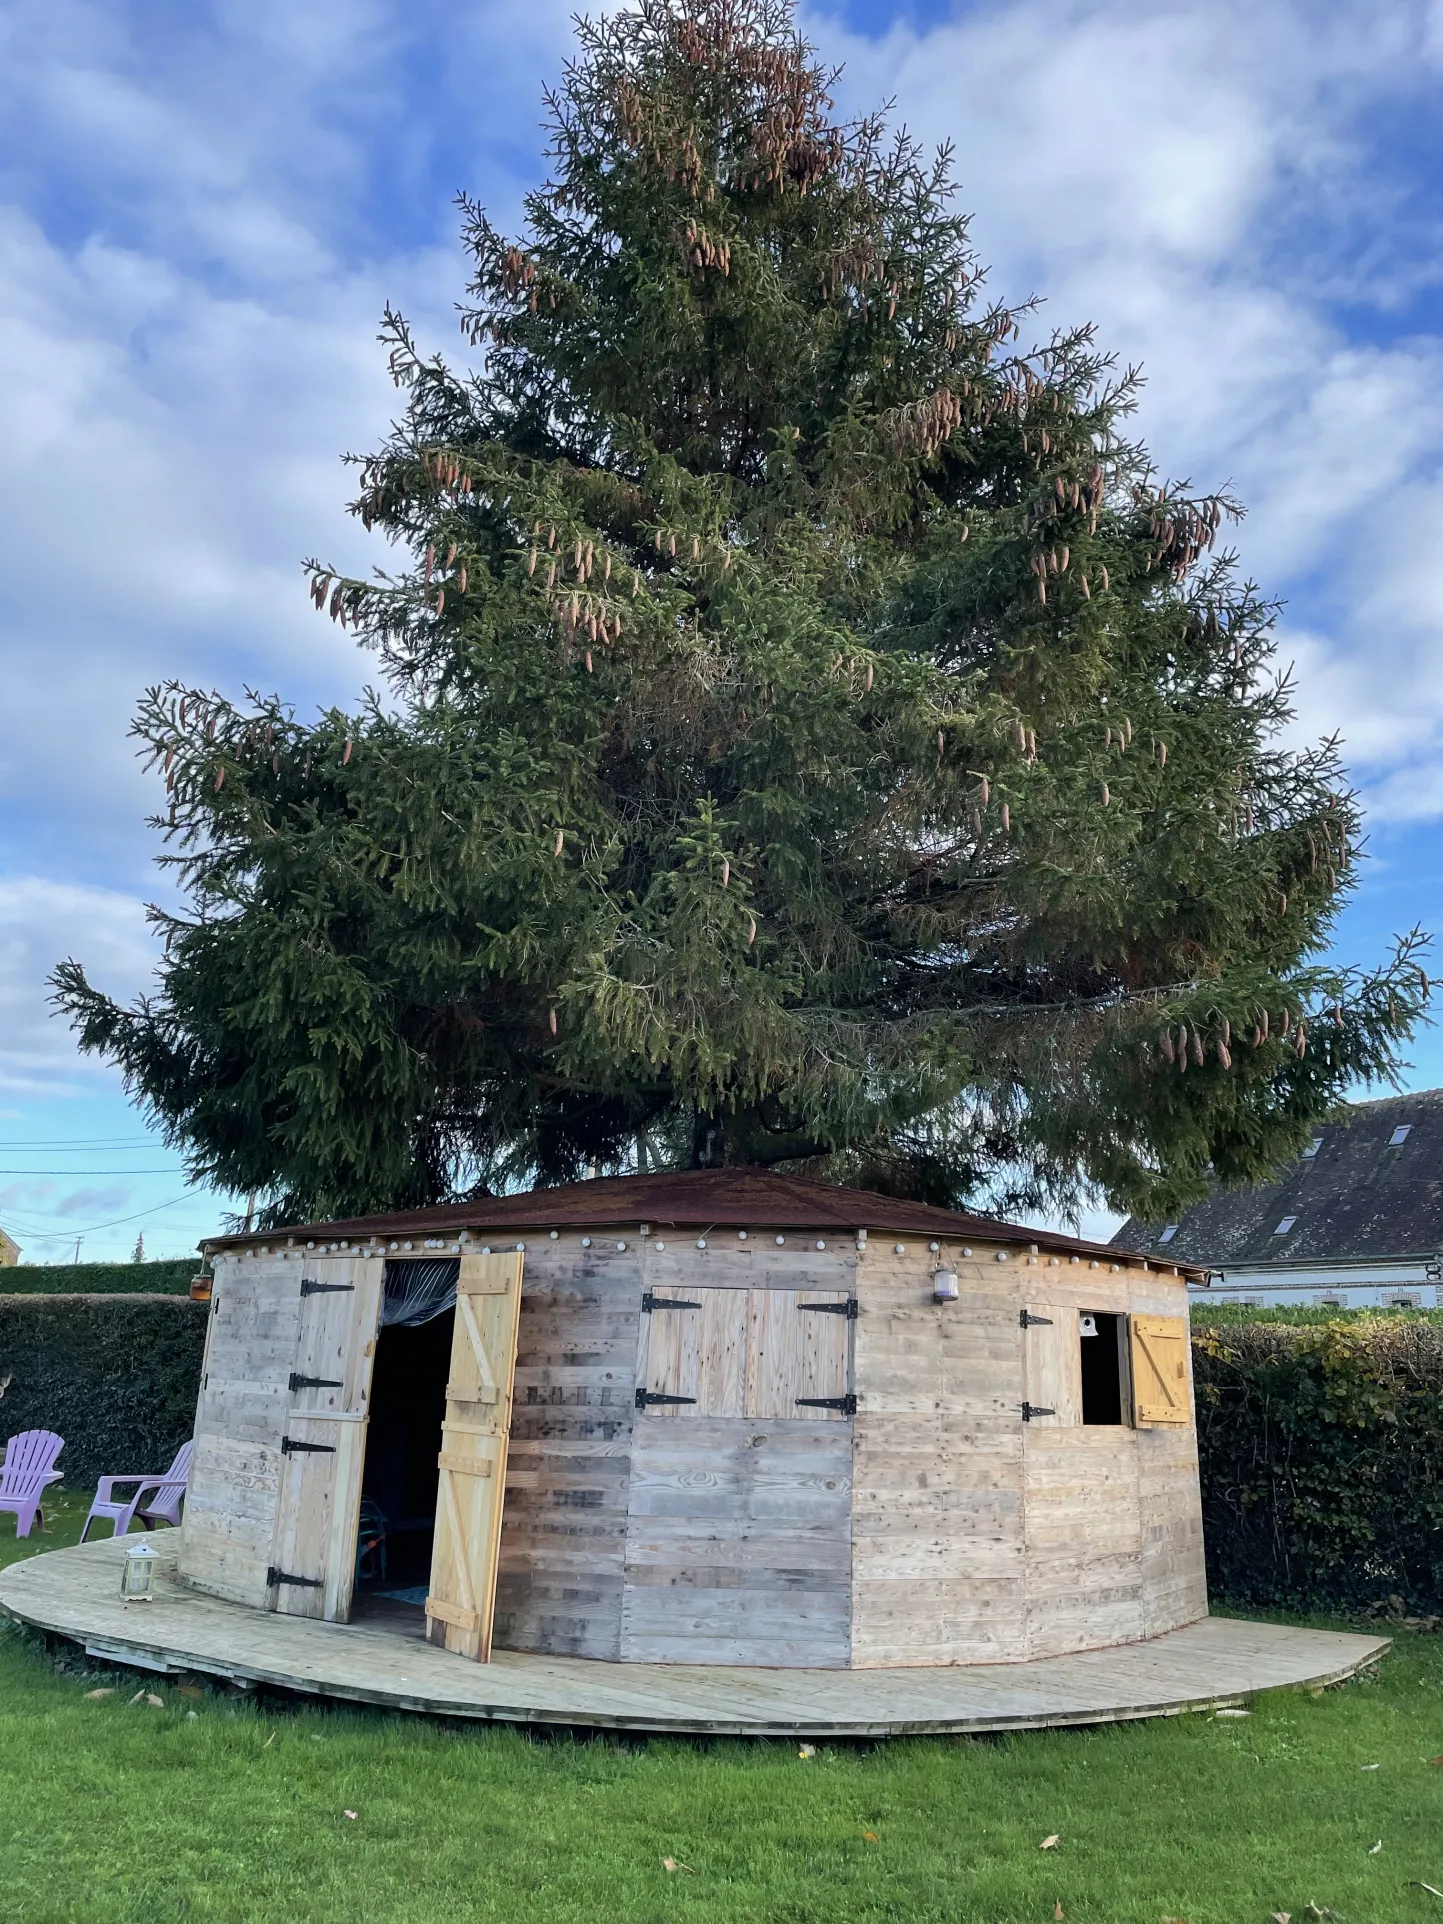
812 732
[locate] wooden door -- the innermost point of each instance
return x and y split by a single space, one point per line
1051 1365
323 1450
228 1532
1160 1395
471 1480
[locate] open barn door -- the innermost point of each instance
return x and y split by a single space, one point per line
323 1448
471 1484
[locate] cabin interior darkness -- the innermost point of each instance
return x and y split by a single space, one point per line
403 1440
1103 1378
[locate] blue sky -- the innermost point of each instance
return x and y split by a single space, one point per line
203 208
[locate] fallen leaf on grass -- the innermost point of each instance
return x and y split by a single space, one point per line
1436 1762
1174 1920
1367 1766
269 1741
1376 1848
191 1690
1057 1913
1232 1713
139 1697
192 1716
1319 1910
349 1813
1280 1917
156 1703
870 1837
806 1750
1050 1843
1425 1887
92 1695
671 1864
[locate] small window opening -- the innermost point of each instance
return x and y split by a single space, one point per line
1285 1225
1408 1299
1168 1233
1103 1373
1399 1135
1333 1302
1312 1149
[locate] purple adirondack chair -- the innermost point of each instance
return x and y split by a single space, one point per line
27 1472
155 1499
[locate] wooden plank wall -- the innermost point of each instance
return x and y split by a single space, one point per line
563 1530
739 1541
937 1506
976 1537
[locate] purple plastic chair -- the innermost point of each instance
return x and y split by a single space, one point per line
26 1474
156 1499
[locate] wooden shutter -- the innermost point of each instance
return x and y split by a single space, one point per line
1051 1365
1159 1371
323 1451
471 1483
696 1351
796 1353
228 1533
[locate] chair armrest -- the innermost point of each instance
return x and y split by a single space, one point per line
104 1489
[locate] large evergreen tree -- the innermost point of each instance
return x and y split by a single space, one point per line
812 733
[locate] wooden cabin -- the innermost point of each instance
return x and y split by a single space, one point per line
724 1417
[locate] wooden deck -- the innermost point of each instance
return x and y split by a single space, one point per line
75 1593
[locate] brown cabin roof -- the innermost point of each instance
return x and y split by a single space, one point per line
694 1198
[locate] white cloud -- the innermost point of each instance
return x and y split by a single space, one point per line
1214 189
41 922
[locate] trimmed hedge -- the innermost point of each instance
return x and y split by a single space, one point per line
127 1279
116 1376
1321 1449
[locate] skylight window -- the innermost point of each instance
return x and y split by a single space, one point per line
1168 1233
1312 1149
1399 1136
1285 1225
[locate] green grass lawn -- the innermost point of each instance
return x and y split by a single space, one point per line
212 1807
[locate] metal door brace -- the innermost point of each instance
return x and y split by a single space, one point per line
644 1398
650 1302
1027 1319
849 1308
299 1382
294 1446
846 1404
1029 1410
309 1287
275 1576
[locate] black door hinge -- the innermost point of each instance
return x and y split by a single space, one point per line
650 1302
849 1308
846 1404
293 1446
1027 1319
275 1576
309 1287
1029 1410
299 1382
644 1398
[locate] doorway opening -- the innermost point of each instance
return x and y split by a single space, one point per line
398 1483
1104 1368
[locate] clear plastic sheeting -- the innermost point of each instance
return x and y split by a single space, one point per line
416 1292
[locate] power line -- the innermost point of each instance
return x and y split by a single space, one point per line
169 1170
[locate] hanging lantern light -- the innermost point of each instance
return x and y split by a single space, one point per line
137 1573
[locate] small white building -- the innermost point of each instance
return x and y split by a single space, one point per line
1355 1223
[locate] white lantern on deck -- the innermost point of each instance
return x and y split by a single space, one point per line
137 1572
